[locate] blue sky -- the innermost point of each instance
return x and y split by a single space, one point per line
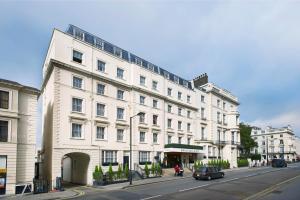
248 47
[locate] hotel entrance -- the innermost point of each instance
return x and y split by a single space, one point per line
183 159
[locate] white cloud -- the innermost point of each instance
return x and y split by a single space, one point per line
284 119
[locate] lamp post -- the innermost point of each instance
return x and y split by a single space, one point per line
130 164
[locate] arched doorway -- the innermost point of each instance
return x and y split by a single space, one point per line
74 168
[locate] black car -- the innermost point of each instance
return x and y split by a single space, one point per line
208 173
279 163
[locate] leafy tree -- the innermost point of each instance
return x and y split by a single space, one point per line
119 173
158 169
110 173
153 168
246 141
147 170
96 174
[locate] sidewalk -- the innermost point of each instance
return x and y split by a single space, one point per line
67 194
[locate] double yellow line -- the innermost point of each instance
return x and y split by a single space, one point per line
270 189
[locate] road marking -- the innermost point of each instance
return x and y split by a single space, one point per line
152 197
228 180
200 186
270 189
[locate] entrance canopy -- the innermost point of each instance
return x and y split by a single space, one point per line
183 148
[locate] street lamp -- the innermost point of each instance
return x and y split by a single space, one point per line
130 166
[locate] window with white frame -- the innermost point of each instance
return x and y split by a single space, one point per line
155 117
169 123
142 117
169 108
169 91
179 111
4 99
224 119
179 125
155 103
202 113
154 85
218 117
77 56
218 103
202 99
188 127
188 98
169 139
224 106
202 133
189 114
120 135
76 130
77 82
179 140
142 80
155 141
76 105
120 73
120 94
100 89
120 113
144 156
100 109
109 156
3 131
101 66
179 95
142 136
100 133
142 100
189 141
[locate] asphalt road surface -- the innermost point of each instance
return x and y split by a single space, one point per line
257 183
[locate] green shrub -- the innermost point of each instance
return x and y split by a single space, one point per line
119 172
153 168
158 170
242 162
110 173
146 170
126 171
96 174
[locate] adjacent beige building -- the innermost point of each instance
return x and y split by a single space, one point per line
90 90
18 121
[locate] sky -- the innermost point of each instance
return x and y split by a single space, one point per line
250 48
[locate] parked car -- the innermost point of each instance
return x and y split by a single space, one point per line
208 173
279 163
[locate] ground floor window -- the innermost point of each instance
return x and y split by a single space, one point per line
144 157
109 157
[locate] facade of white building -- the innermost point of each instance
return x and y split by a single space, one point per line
18 120
90 90
275 143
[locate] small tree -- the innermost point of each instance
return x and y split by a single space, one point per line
158 169
96 174
119 173
110 173
146 170
153 168
126 171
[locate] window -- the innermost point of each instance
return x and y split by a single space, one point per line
100 109
155 117
77 82
169 108
155 138
76 130
144 156
120 113
188 98
202 133
281 135
3 131
120 73
218 117
142 100
100 89
142 136
224 106
154 103
101 66
218 103
232 137
169 91
281 150
120 94
202 99
188 127
77 56
154 85
109 156
100 133
224 119
179 111
189 141
169 123
179 125
142 117
120 135
179 140
202 113
189 114
142 80
76 105
281 141
169 139
4 99
179 95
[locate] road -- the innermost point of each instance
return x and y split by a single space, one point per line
259 183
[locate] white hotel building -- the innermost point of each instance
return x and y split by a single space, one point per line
90 90
275 143
18 126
